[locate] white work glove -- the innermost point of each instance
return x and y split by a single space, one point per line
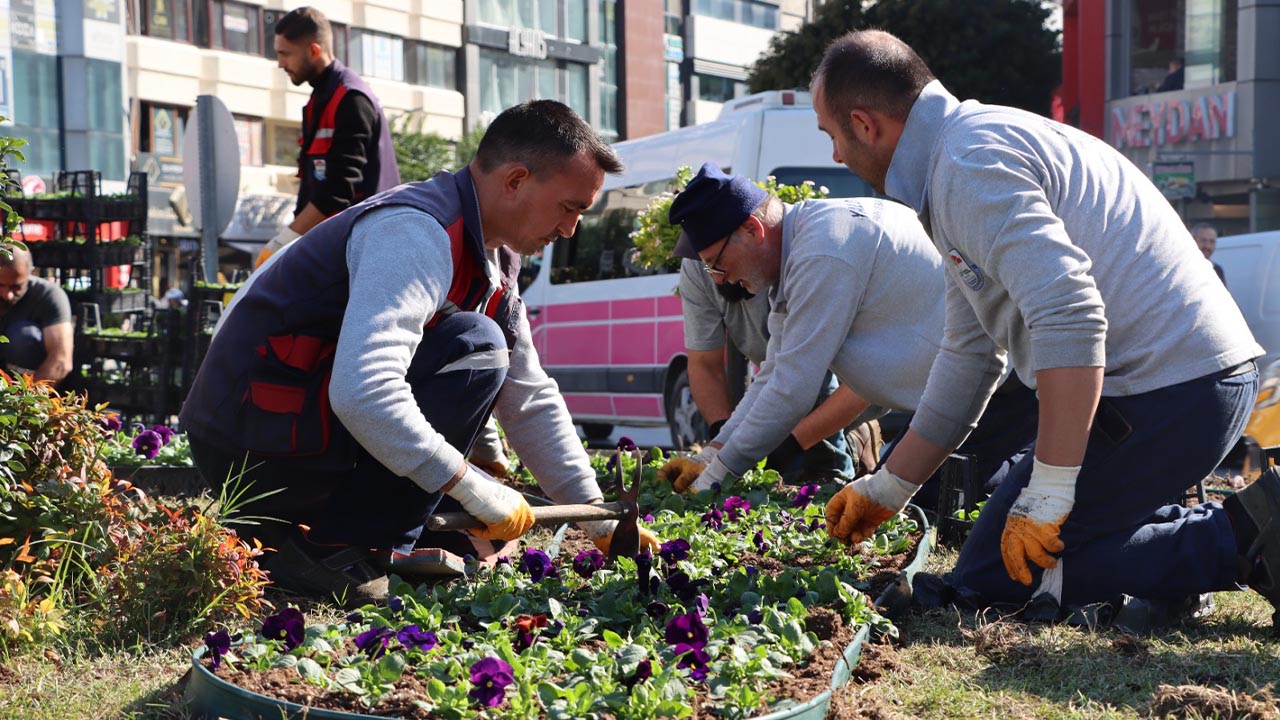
1035 520
282 238
861 506
716 472
706 455
504 511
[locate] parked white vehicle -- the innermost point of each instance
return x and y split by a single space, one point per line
1251 264
611 333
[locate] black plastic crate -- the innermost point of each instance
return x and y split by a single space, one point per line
959 496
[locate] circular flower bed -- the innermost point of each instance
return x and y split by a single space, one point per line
745 596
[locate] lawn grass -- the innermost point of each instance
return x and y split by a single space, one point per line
935 671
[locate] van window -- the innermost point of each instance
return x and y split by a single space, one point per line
838 180
601 248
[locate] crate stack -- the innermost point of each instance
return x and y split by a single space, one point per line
97 248
208 300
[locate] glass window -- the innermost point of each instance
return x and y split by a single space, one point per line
167 19
506 80
341 33
375 54
747 12
1180 44
576 19
106 116
1210 53
249 135
431 65
715 89
36 112
839 182
601 248
235 26
575 96
284 144
609 70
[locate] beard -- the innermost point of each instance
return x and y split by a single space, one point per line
733 292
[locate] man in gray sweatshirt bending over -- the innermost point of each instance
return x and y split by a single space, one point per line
354 370
854 287
1062 254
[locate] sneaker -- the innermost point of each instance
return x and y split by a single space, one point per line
344 573
1255 518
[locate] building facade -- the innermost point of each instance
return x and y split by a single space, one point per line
1184 88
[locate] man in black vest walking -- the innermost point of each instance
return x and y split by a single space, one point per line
345 152
350 375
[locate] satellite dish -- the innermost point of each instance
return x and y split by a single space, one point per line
225 156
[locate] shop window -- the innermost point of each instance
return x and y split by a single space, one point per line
375 54
249 135
168 19
747 12
1181 44
716 89
431 65
160 129
235 26
283 148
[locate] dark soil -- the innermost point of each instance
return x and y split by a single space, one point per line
808 681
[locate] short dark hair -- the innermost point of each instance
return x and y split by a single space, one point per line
306 23
871 69
15 258
543 135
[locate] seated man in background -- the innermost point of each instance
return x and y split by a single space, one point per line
35 316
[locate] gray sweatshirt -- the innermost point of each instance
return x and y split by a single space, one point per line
860 292
709 318
1060 251
400 270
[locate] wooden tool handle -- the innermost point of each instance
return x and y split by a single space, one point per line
542 515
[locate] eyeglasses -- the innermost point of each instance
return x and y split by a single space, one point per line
711 268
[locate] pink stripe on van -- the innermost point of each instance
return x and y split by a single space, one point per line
574 312
588 404
670 339
575 346
670 305
626 309
644 406
632 344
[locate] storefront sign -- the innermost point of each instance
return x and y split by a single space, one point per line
103 33
1175 179
22 25
673 48
1187 120
526 42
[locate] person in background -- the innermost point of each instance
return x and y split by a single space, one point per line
346 153
35 317
1206 237
1174 79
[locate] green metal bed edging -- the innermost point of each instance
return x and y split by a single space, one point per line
208 695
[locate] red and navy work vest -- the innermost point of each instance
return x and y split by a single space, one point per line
319 127
264 385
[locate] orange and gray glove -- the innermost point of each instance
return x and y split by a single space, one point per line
282 238
601 533
1035 521
681 472
861 506
504 511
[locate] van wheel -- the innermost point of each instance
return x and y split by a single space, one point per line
597 431
687 425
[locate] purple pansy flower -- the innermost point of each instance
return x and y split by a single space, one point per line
657 609
695 659
110 423
489 680
396 603
286 626
414 638
758 539
644 671
648 517
538 564
355 618
626 444
674 550
553 629
687 629
587 562
219 644
755 617
713 519
736 507
702 605
165 432
373 642
148 444
816 524
805 496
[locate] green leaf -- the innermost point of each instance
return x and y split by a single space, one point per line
349 679
311 671
612 639
554 608
503 605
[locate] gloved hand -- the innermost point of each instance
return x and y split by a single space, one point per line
715 472
681 472
282 238
858 509
1035 520
504 511
601 533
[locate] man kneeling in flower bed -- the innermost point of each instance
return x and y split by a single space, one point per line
855 289
352 373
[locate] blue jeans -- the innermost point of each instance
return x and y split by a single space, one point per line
369 505
1121 537
825 459
25 348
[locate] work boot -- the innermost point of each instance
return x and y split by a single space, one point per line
1255 520
344 573
865 442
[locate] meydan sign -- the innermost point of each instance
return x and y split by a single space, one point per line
1184 119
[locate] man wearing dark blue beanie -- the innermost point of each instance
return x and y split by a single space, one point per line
855 287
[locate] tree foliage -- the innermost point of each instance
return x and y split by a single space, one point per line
995 51
421 155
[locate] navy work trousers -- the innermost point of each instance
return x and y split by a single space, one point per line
369 505
1121 536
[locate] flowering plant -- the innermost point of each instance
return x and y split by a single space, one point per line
654 238
710 620
142 445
